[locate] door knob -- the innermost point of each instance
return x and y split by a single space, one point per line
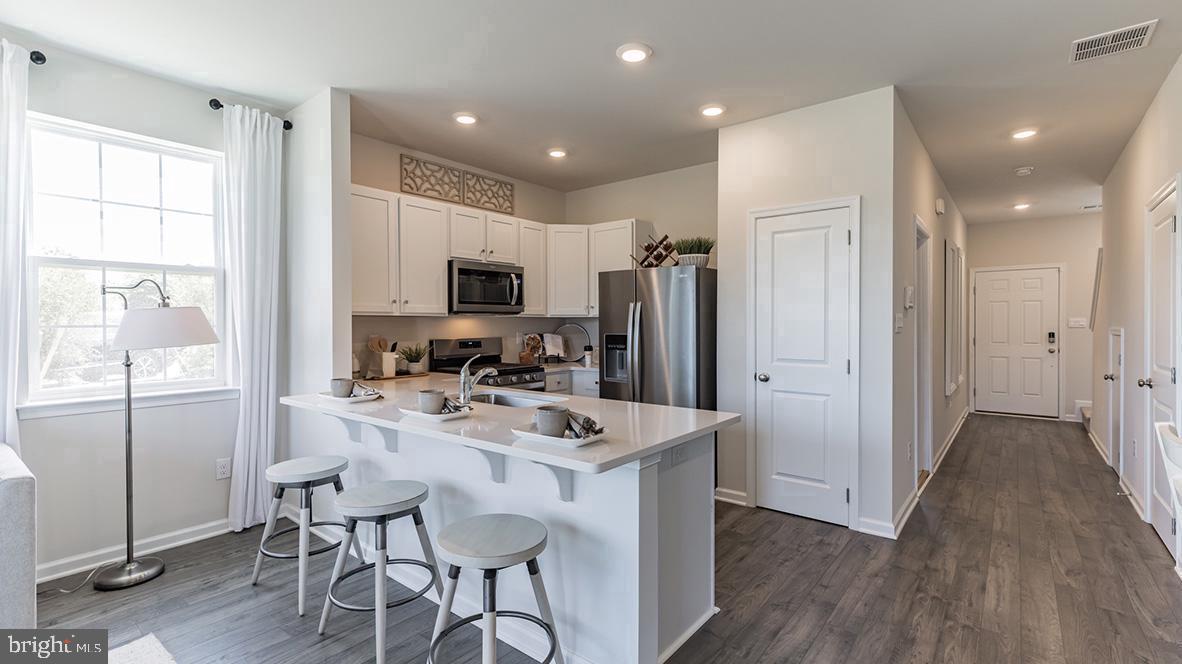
1145 382
1051 351
1108 377
762 377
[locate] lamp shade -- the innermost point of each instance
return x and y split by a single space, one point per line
163 327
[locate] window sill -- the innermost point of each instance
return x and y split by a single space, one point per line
43 409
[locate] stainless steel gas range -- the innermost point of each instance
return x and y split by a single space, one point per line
449 355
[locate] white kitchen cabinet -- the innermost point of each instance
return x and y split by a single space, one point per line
558 381
423 253
611 246
532 248
467 233
501 240
373 217
585 383
567 257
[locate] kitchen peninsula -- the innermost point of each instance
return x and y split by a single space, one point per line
630 560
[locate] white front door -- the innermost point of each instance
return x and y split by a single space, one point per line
1017 341
1159 343
805 421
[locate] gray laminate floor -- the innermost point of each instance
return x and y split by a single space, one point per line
1019 551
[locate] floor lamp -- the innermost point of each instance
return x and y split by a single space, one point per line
162 326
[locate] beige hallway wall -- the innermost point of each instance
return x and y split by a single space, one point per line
1072 241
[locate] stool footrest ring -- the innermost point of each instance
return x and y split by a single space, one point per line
389 605
447 631
288 556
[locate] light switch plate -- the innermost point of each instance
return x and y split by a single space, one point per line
1077 322
898 323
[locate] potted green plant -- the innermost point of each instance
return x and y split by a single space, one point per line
415 357
694 251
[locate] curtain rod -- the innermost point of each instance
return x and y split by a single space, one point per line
216 105
37 57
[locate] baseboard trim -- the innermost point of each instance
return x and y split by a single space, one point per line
686 635
905 511
1072 418
876 527
1132 496
1100 448
84 562
516 635
731 496
964 415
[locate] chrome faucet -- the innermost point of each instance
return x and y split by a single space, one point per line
466 383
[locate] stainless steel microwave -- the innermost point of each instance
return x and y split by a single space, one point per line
485 288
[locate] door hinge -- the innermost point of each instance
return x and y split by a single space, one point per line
847 367
1174 375
847 496
1174 224
1173 523
849 238
974 391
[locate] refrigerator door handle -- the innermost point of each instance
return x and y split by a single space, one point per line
630 343
634 348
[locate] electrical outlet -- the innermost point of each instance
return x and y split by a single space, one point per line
221 469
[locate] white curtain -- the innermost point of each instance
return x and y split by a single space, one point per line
14 201
251 203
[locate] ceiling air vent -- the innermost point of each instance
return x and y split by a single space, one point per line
1111 43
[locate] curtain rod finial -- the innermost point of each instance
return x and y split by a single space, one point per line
37 57
215 104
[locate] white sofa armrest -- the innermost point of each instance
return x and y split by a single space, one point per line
18 546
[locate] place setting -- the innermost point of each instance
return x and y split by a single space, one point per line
559 425
435 406
350 391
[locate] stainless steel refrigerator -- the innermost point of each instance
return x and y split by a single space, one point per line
657 336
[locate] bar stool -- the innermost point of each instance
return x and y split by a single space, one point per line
381 503
492 542
303 474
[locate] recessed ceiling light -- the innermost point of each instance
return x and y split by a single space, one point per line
464 118
1023 171
557 153
1023 134
634 52
712 110
1022 206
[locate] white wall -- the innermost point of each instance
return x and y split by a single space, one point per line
917 185
682 203
1073 241
835 149
377 164
78 459
1152 157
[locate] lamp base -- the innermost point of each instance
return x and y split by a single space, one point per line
130 574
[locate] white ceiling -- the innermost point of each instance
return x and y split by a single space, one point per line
542 73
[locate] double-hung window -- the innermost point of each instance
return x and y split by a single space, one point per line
113 208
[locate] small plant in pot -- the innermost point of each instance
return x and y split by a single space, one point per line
694 251
415 357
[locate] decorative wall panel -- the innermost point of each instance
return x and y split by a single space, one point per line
488 193
427 178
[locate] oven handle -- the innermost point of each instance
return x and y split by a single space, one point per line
516 290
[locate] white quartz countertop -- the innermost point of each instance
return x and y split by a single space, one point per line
558 367
634 430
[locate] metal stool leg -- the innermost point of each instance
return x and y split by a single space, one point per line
338 568
489 655
336 484
428 551
535 578
379 589
305 531
268 528
443 618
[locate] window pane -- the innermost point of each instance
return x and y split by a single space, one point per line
64 164
65 227
71 356
131 234
193 290
69 296
146 365
140 298
187 184
188 239
190 363
131 176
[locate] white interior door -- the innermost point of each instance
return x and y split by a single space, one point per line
805 422
1160 343
1116 412
1017 341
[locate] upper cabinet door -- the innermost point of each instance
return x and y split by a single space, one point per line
611 248
374 223
422 241
533 262
501 240
566 248
467 234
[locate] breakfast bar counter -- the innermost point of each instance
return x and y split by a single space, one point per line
630 560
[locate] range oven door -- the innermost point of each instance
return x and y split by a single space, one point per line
485 288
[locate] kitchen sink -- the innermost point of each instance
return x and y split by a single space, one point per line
513 400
